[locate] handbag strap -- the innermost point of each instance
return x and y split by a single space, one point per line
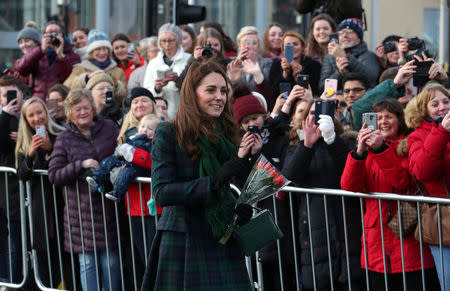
425 191
445 186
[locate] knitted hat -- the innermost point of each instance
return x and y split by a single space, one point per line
171 28
29 33
261 99
245 104
140 91
96 39
97 78
352 23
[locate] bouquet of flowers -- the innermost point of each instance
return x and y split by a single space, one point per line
264 180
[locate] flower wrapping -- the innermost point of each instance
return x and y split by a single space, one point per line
264 180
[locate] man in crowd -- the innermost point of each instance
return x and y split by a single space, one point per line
349 55
355 86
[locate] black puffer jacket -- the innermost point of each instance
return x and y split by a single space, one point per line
321 167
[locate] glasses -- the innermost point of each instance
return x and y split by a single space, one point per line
107 88
346 30
171 40
355 90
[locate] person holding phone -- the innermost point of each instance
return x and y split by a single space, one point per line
9 123
125 54
171 56
320 28
55 103
315 158
36 135
379 164
48 64
293 46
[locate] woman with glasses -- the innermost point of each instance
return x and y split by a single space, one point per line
163 71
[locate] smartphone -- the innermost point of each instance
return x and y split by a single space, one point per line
130 47
10 96
40 130
289 52
371 120
334 37
303 80
109 97
285 87
253 129
420 77
168 71
331 86
248 41
52 105
326 107
160 74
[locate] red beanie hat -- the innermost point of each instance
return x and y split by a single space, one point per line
245 103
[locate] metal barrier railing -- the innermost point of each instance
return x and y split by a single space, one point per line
63 270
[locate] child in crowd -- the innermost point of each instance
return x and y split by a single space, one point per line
122 158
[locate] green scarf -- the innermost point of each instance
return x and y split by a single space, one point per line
218 210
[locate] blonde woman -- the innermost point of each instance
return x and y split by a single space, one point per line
36 136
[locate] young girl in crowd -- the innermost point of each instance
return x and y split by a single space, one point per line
272 37
123 157
319 36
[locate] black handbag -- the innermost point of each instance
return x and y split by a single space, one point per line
260 231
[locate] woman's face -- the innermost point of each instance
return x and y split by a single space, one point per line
168 43
55 95
298 48
152 52
79 38
212 95
141 106
438 106
82 114
300 107
99 93
321 31
36 115
215 45
256 120
26 44
275 38
100 54
120 48
387 124
186 43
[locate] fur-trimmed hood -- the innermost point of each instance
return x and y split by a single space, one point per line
413 116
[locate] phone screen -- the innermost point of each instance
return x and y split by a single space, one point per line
289 52
11 95
330 86
303 80
420 77
285 87
334 37
323 107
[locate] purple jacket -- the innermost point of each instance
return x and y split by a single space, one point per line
70 149
35 62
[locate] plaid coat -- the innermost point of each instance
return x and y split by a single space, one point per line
184 255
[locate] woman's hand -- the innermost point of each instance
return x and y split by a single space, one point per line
311 131
172 76
134 56
446 122
250 143
89 163
375 140
256 148
234 70
380 52
38 141
363 136
278 104
252 68
285 67
198 51
159 84
296 68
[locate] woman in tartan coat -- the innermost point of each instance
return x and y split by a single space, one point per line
194 157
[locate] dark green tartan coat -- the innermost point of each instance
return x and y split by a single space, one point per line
184 254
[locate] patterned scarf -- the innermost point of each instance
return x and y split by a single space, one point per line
218 210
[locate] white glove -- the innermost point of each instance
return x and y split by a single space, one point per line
301 134
127 151
326 127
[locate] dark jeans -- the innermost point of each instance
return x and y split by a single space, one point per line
16 254
125 177
138 235
413 281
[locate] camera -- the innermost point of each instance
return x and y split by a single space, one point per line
54 39
109 97
415 43
389 47
207 50
253 129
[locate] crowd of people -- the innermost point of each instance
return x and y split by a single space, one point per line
193 112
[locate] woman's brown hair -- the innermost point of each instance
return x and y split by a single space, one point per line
265 38
313 48
190 122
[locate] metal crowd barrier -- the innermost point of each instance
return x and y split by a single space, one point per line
63 269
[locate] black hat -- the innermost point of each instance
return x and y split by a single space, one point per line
140 91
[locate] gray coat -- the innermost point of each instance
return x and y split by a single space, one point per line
265 64
360 60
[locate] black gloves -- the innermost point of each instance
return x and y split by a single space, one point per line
230 168
244 213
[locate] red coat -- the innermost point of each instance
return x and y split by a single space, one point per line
142 159
131 66
35 63
429 156
383 172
